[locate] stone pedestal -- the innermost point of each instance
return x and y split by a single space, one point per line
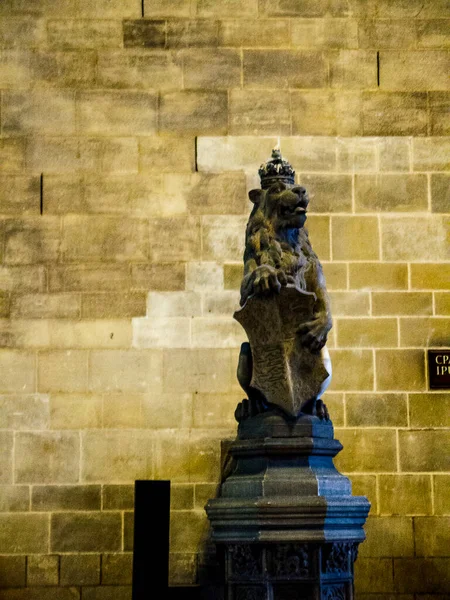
286 524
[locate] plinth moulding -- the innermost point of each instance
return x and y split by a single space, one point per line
285 523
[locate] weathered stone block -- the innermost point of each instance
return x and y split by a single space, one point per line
439 103
18 371
400 370
319 234
249 33
214 410
42 570
23 533
429 276
440 192
117 113
6 463
324 33
162 277
24 412
173 304
414 70
107 593
62 371
160 411
374 575
217 194
37 306
117 569
441 488
426 575
51 498
63 69
198 370
108 9
429 410
353 69
12 155
425 450
314 112
308 8
369 450
187 530
32 240
104 238
14 498
171 460
22 31
211 68
222 237
144 33
431 536
402 303
233 274
47 457
194 112
383 33
388 536
216 333
376 410
328 193
86 532
41 593
227 8
442 304
186 232
422 332
394 114
15 68
118 497
101 306
166 153
190 33
358 378
402 240
356 155
284 69
391 193
252 113
394 154
182 496
405 494
173 332
4 304
347 233
167 8
350 304
116 455
154 69
68 34
369 332
125 371
336 275
79 569
433 33
182 568
366 485
204 276
122 411
19 194
12 569
43 112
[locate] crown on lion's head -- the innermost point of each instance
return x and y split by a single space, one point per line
276 169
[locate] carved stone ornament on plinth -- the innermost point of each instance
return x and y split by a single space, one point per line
285 523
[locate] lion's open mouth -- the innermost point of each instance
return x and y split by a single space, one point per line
290 211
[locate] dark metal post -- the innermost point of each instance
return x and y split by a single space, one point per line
151 539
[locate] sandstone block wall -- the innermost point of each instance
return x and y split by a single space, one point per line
130 133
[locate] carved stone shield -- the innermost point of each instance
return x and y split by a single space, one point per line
285 372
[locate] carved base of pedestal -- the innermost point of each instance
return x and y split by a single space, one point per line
286 524
290 571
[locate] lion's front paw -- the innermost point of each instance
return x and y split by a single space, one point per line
314 333
265 280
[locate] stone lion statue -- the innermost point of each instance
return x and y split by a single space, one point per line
277 254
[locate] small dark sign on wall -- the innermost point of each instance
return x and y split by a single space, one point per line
439 369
